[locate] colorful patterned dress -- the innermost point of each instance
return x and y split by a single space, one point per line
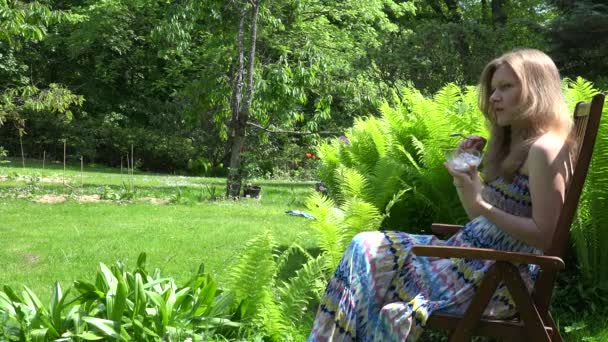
382 292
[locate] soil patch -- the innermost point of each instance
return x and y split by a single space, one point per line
50 199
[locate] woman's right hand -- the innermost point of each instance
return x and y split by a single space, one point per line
472 142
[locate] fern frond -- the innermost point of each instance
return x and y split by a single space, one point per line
409 158
354 183
291 250
360 216
363 150
597 191
329 225
294 297
578 90
419 146
384 181
329 161
447 98
252 274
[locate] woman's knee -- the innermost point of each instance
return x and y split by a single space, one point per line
371 242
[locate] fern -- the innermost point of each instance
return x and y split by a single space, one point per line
588 230
329 153
384 179
295 296
329 225
402 152
253 270
353 183
359 216
277 308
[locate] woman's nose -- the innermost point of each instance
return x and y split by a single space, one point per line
494 97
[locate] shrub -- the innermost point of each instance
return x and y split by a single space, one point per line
397 158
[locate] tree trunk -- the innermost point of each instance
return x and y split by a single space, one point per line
499 16
241 107
461 44
484 11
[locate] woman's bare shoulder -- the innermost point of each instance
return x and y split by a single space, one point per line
548 149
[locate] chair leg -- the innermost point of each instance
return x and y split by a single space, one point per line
557 337
535 328
482 297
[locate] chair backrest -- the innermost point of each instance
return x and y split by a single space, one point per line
587 117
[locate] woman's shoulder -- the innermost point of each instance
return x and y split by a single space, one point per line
548 146
548 149
548 142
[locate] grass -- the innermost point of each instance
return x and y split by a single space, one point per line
43 243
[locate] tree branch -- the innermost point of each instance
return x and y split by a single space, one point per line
280 131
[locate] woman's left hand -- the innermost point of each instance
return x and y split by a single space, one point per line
469 185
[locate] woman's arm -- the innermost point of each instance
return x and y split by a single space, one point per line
548 170
471 213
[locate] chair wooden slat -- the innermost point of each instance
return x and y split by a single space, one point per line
585 141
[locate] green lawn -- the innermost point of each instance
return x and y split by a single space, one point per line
65 241
43 243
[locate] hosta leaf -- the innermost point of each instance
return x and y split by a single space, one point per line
141 261
6 304
88 291
241 310
57 299
119 302
181 296
108 328
158 300
145 329
207 294
12 295
39 334
140 296
32 301
90 336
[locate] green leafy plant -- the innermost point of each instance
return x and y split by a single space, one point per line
108 193
276 308
122 305
397 158
588 230
3 154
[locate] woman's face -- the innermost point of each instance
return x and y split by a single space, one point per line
505 93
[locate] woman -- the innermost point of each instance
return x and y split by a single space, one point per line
382 292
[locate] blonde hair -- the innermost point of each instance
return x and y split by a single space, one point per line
542 109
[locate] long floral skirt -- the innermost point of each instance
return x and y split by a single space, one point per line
382 292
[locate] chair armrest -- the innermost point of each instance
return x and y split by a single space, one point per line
447 229
550 262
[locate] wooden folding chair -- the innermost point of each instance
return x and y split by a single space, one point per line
533 321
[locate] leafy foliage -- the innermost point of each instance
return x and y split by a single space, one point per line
588 231
275 307
122 305
398 157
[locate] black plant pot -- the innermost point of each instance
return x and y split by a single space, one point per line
252 191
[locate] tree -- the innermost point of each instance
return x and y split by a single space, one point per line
580 41
241 106
311 62
22 24
451 41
